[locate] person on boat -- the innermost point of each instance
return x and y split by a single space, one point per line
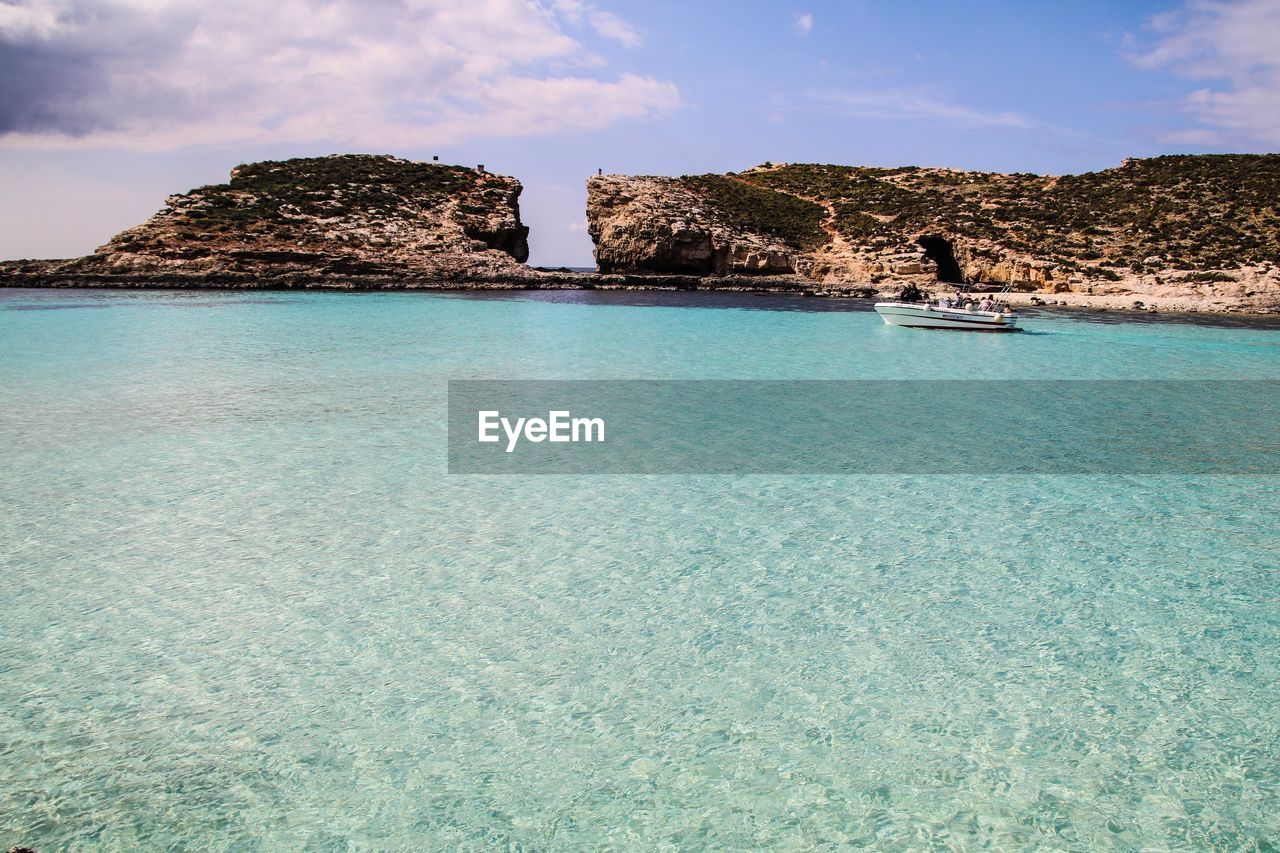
986 304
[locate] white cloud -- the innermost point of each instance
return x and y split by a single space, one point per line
1234 48
157 74
903 104
604 23
804 23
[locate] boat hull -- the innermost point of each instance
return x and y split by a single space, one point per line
929 317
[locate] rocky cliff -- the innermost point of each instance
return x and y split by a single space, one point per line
674 225
1188 233
1203 229
316 220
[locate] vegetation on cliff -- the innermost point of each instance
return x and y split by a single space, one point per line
795 221
278 192
1187 212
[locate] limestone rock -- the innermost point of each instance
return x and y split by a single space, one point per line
325 218
657 224
1192 228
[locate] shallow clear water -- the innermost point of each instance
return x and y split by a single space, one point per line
243 606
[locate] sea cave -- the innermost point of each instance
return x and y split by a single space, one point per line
939 250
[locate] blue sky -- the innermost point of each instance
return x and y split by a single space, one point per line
108 106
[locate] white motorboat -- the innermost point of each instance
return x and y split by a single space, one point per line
933 315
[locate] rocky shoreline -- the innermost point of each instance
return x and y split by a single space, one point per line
30 277
35 274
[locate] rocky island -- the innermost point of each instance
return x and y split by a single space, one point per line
1197 233
322 221
1188 232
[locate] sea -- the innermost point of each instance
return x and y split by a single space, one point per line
245 606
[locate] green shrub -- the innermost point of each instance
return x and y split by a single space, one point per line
273 191
793 220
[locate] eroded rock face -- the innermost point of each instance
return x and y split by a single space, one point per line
1201 228
657 224
339 216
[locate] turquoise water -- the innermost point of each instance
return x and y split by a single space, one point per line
245 608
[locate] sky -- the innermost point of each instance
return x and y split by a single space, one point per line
108 106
